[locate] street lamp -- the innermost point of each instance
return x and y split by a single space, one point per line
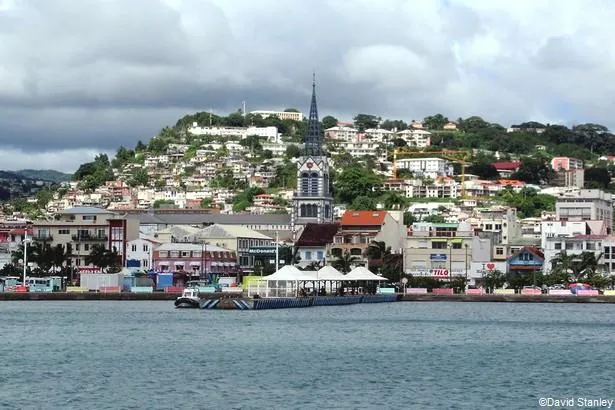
450 264
466 284
25 255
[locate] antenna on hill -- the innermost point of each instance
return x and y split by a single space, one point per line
243 108
210 115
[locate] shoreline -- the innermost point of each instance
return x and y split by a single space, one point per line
13 296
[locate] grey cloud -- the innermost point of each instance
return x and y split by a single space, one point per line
97 74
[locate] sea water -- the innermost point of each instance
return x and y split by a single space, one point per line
149 355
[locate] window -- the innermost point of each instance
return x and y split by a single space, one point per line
77 247
174 254
558 245
145 248
86 247
457 245
305 183
488 227
63 231
499 251
438 245
314 184
133 247
89 217
319 255
308 255
163 254
185 254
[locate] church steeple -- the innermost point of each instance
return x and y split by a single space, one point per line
313 140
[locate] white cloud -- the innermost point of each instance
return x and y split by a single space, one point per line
100 73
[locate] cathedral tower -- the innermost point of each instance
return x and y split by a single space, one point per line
312 202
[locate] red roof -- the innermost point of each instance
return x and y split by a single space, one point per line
507 165
531 249
317 234
363 218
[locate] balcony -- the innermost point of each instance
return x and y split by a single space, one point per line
89 238
42 238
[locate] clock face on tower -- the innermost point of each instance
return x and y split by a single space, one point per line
310 165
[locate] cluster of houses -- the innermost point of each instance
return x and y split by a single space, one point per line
471 242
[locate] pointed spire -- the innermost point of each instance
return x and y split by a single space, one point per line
313 140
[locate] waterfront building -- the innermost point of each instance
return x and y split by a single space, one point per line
438 249
81 228
313 202
196 259
359 229
585 205
315 243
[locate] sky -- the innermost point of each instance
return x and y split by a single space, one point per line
82 77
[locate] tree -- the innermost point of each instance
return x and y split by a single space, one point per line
329 122
293 151
435 122
597 177
398 125
139 177
366 121
483 171
101 257
394 200
494 279
363 203
534 171
473 124
140 147
206 202
375 252
355 181
436 219
43 197
409 218
345 262
575 267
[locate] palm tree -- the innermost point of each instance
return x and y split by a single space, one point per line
376 250
345 262
101 257
575 267
393 200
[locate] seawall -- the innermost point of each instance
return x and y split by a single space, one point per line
8 296
508 298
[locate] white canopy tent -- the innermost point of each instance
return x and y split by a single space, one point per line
362 273
330 273
288 273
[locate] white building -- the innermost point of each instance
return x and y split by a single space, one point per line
378 134
271 133
347 134
426 167
585 205
140 251
283 115
416 137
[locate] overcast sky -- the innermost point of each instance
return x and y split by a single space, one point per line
79 77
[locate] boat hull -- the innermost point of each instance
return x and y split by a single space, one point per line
187 303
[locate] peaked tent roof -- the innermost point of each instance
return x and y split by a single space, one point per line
362 273
328 272
288 272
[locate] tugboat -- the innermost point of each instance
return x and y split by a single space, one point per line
189 299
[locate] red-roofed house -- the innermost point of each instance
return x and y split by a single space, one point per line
507 168
358 229
528 258
314 243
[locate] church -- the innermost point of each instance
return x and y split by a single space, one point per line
312 201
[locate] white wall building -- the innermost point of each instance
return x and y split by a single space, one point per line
426 167
347 134
283 115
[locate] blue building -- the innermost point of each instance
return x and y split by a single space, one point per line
526 259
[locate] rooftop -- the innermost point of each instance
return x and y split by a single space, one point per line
363 218
87 210
317 234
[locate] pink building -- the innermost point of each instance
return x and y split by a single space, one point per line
566 163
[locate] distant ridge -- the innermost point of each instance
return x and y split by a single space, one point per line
50 175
